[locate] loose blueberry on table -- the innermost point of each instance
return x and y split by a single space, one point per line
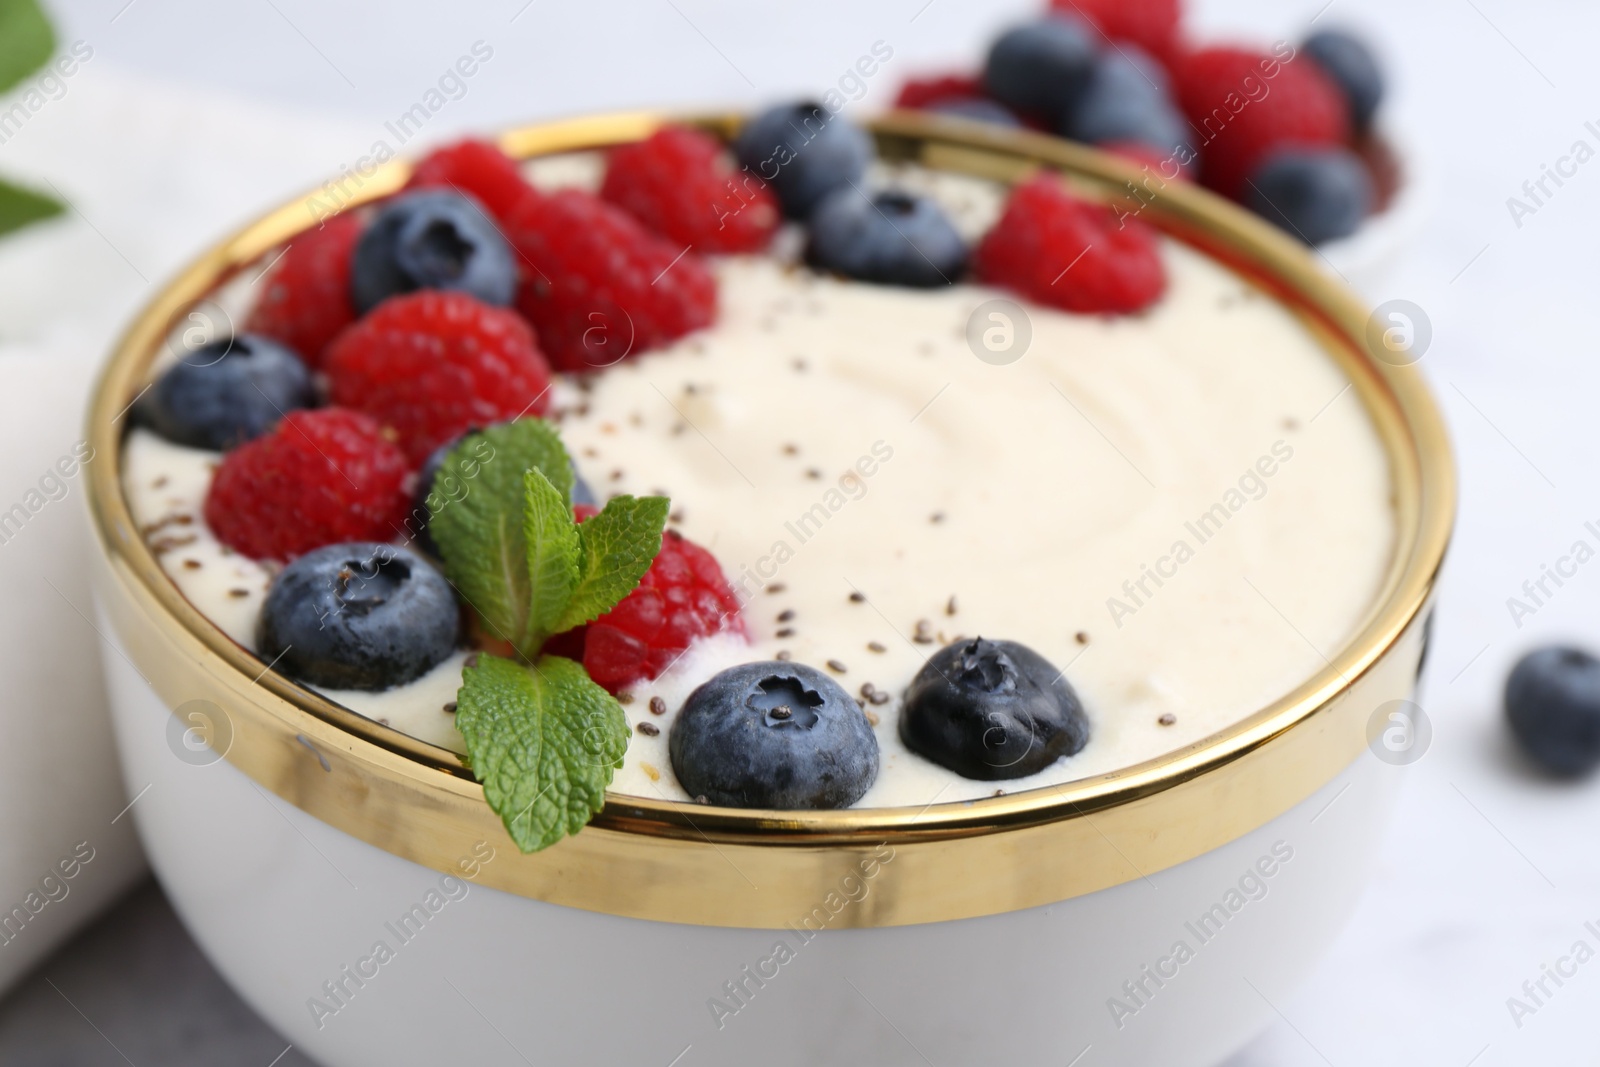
1552 703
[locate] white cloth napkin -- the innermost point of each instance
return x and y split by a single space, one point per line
153 175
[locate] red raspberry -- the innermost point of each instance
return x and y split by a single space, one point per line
598 286
1244 104
478 168
306 301
1150 24
1052 247
319 478
680 183
432 364
683 596
919 93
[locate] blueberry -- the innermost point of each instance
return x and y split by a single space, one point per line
1350 63
890 237
1317 194
432 239
227 392
1553 704
773 735
1153 123
991 710
1126 100
362 615
422 507
1129 71
804 153
1041 67
977 109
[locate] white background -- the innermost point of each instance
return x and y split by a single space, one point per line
194 114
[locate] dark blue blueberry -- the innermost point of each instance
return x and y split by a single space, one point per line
432 239
1126 101
890 237
227 392
773 735
977 109
1351 64
1041 67
992 710
362 615
803 152
1128 70
432 496
1317 194
1553 705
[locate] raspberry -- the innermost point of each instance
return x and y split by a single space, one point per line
680 183
477 168
319 478
1052 247
306 301
1244 104
935 89
683 596
433 364
1150 24
598 286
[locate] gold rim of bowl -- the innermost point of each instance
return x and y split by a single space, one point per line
680 862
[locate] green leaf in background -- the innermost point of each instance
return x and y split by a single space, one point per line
26 40
19 207
544 740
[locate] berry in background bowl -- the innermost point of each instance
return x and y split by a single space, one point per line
1295 131
733 711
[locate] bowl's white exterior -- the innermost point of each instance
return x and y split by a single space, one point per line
283 903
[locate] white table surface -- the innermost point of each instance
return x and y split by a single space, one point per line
1489 871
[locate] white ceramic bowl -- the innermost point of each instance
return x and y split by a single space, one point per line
354 887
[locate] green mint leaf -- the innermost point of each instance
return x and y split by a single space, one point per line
544 740
551 535
476 518
26 40
20 207
617 547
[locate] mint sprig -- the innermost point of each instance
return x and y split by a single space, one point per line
544 741
541 736
616 547
482 534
